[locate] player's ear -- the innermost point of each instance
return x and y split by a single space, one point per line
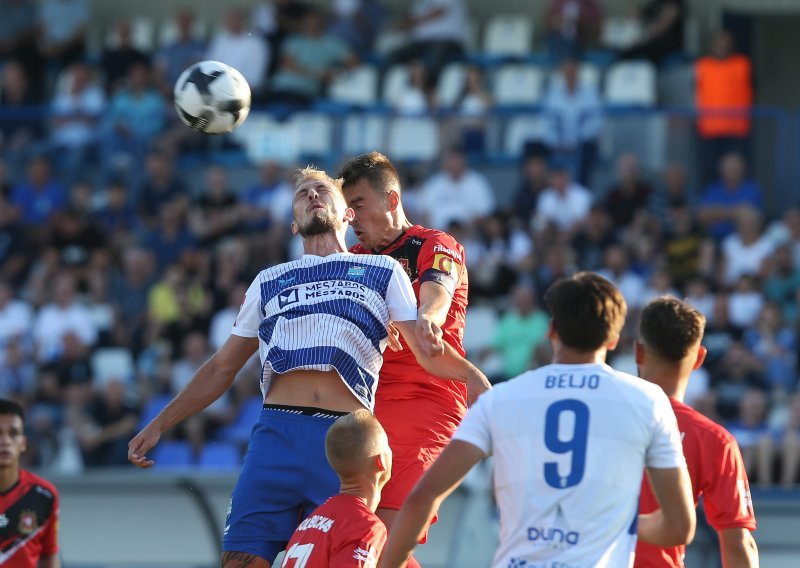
295 229
552 334
701 357
393 200
349 215
638 350
380 462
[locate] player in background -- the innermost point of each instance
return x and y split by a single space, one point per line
668 350
29 505
418 411
321 325
344 531
570 442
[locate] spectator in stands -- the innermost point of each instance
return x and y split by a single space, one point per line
521 329
688 251
535 179
629 194
269 201
215 213
724 96
63 315
457 193
573 114
737 372
786 230
617 270
775 343
16 318
19 128
223 320
76 242
662 24
790 443
782 282
572 26
76 113
16 252
136 115
674 191
720 203
358 22
472 109
754 437
416 97
171 238
277 20
63 25
238 47
308 62
117 216
39 196
106 425
746 250
564 204
499 253
745 302
120 56
18 36
437 35
161 185
593 239
173 58
557 262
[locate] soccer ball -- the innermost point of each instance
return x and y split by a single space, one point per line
212 97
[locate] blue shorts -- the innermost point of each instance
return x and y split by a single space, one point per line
285 476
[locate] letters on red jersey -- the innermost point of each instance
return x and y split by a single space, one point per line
342 532
28 521
718 475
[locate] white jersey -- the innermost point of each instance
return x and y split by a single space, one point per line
323 313
570 444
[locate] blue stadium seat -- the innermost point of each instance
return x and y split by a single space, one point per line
239 431
220 456
173 455
151 409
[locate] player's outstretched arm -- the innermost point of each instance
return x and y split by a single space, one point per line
738 548
207 385
52 561
446 473
450 365
674 523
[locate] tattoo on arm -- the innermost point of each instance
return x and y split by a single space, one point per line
232 559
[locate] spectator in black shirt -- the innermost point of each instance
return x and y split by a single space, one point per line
663 22
629 194
118 59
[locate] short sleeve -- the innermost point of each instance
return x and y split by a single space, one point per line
475 428
400 298
726 495
249 318
360 551
441 260
665 450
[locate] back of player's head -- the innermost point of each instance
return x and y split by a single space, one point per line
375 168
11 408
311 173
587 310
671 328
353 441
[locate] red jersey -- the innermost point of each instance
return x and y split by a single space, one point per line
718 475
342 532
28 522
427 255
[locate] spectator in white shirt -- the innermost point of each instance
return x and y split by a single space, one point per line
16 317
573 113
457 193
745 251
617 270
564 205
64 315
238 47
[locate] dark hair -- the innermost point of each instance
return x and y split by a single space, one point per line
671 327
375 168
588 311
11 407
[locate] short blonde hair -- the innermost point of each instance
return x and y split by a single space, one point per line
311 173
352 440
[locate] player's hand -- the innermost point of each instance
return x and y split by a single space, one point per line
477 384
429 336
393 338
144 441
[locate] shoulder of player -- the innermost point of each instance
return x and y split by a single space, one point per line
432 236
40 484
690 420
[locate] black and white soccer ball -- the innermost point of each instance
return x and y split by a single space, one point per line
212 97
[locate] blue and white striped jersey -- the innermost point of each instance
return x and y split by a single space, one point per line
327 312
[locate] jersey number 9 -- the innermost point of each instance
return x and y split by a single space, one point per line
558 413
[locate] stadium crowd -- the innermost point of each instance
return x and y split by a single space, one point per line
115 286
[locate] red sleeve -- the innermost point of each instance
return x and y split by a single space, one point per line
726 494
441 259
361 549
50 533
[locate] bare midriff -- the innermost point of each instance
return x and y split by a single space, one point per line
319 389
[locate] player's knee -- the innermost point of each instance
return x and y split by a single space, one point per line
233 559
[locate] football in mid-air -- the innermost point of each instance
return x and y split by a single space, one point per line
212 97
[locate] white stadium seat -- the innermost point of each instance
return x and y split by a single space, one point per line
588 74
168 31
518 84
264 138
358 86
314 133
520 129
451 84
631 83
394 84
142 34
363 133
111 363
619 33
508 34
413 138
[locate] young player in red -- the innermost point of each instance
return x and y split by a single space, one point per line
28 503
344 531
668 350
419 412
